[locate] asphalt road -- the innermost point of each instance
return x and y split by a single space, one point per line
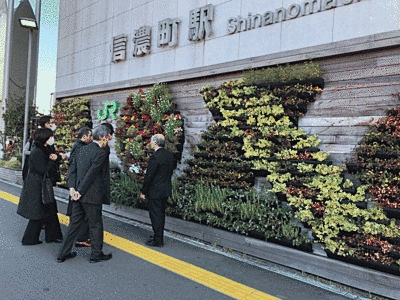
182 269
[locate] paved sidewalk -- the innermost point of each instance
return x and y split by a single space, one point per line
367 280
266 255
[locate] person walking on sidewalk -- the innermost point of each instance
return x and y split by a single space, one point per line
30 205
54 174
107 186
84 138
157 187
89 196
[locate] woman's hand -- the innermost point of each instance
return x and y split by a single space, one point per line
53 156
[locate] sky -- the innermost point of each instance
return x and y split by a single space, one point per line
47 53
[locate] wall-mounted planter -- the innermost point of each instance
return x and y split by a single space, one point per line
392 212
375 265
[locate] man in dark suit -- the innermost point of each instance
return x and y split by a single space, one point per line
157 187
107 165
89 196
83 139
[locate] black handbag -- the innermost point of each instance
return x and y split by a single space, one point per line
47 190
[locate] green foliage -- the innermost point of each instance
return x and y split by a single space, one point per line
242 212
14 117
143 114
125 190
285 73
69 116
13 163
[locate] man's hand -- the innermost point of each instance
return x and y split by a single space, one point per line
64 156
142 196
76 196
71 192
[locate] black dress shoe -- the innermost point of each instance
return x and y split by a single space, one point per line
153 243
68 256
104 257
54 241
37 243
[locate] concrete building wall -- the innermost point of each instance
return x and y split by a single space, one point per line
19 56
356 44
87 29
3 27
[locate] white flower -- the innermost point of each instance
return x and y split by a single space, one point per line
134 169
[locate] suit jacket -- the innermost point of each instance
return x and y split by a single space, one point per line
90 174
157 181
106 170
71 166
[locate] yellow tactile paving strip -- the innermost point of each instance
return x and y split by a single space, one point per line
209 279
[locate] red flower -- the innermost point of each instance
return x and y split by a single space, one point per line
146 117
143 132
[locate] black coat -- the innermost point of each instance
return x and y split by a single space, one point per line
106 171
157 181
90 176
72 169
71 166
30 204
54 172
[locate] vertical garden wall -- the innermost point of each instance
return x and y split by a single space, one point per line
255 134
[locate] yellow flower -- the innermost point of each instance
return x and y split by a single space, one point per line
251 120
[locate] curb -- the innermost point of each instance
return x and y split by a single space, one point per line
375 282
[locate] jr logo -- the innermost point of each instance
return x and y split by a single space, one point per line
110 108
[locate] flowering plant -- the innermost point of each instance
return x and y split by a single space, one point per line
150 113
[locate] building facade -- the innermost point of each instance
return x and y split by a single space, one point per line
14 46
3 26
109 48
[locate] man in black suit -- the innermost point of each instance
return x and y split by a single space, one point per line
89 196
83 139
157 187
107 165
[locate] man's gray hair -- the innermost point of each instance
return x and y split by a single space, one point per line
99 132
159 139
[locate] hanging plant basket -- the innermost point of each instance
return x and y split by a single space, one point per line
216 112
283 241
353 167
260 173
318 82
375 265
392 212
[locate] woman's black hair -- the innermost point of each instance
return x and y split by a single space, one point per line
43 120
41 135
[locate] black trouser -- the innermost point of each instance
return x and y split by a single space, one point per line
83 234
157 216
32 232
52 230
94 215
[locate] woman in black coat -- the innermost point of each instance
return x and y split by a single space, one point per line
30 203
